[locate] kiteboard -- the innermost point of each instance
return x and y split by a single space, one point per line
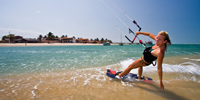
130 77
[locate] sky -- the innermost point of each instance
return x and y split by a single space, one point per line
99 18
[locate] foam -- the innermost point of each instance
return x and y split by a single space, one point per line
99 76
189 71
2 90
126 84
191 59
35 89
33 94
186 67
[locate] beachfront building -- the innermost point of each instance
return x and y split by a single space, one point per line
81 40
30 40
13 39
94 42
46 40
68 39
18 39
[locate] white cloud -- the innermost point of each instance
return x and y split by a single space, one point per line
38 12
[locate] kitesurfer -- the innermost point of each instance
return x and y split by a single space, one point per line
150 54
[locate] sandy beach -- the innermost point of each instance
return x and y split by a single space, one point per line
44 44
92 84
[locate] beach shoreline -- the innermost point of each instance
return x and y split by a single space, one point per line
72 84
44 44
55 44
79 73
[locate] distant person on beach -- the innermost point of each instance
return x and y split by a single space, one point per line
150 54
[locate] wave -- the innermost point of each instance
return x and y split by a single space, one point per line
191 59
186 67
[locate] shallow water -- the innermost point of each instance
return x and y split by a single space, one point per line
92 83
79 72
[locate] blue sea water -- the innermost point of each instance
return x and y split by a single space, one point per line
37 59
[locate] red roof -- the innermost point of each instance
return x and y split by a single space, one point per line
83 39
66 38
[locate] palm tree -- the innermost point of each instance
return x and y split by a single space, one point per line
40 37
49 35
11 37
102 40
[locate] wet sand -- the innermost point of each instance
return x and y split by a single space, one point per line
182 59
92 83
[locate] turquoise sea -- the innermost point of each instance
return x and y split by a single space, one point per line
50 72
24 60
